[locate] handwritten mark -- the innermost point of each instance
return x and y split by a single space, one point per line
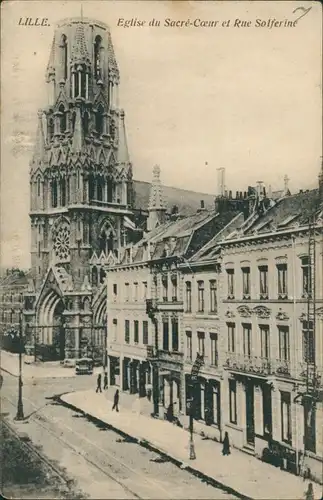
306 11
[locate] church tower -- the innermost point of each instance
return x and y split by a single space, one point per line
80 181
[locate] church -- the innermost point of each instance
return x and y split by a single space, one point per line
84 203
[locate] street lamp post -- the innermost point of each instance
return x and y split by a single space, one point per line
105 348
151 310
20 408
191 421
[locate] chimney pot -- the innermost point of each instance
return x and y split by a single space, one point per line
202 203
237 194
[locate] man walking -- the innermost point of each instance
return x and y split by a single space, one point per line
105 381
116 401
98 386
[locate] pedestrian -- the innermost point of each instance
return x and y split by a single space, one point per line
116 401
226 445
98 386
309 494
105 380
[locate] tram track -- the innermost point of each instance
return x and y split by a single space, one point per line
110 466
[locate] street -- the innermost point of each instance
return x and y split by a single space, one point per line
103 464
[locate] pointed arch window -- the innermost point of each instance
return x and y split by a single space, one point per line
100 189
54 193
73 121
112 130
91 187
62 119
110 191
86 121
99 120
110 243
63 191
102 275
98 57
38 186
64 55
103 242
94 276
50 129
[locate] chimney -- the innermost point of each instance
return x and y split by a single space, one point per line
237 195
230 195
202 206
221 181
270 192
286 180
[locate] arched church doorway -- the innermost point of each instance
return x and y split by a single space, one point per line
59 330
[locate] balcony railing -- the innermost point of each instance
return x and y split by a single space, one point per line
310 373
162 355
257 364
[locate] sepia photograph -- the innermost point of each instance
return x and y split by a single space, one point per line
161 258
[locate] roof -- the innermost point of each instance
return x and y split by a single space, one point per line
188 202
287 212
15 279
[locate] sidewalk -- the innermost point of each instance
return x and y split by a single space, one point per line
241 474
9 362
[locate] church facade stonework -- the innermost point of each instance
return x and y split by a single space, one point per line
81 190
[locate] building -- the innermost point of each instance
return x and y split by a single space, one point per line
12 288
84 204
272 315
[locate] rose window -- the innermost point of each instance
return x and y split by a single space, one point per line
62 242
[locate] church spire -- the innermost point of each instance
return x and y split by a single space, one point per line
123 154
79 50
156 207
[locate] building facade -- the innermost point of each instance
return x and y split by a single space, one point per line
271 313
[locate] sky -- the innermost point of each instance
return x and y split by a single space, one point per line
196 98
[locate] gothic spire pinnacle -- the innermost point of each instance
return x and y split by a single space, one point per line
79 49
78 131
39 151
123 154
156 196
51 62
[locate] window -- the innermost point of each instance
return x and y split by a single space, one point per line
200 296
306 277
54 193
201 342
115 292
231 337
286 424
247 340
213 297
99 120
188 297
233 401
282 281
145 332
264 341
136 331
62 119
126 292
97 57
144 289
246 282
175 334
127 331
115 329
165 335
214 349
189 345
308 342
310 427
283 332
263 282
174 288
230 275
51 129
135 292
38 186
165 287
86 122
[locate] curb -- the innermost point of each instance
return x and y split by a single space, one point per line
37 377
164 454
